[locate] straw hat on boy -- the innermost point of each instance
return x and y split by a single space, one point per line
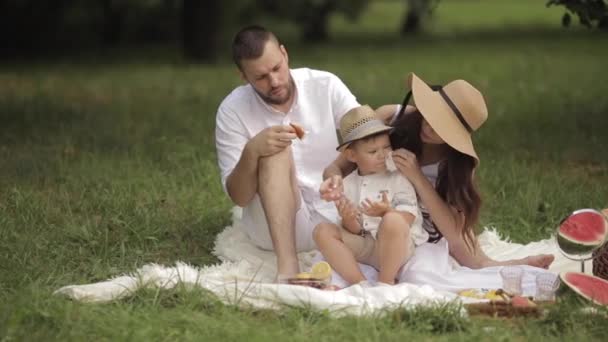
358 123
454 111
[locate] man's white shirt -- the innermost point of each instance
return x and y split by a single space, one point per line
321 101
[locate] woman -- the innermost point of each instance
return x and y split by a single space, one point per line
434 150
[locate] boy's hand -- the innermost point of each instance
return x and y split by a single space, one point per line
376 209
332 189
349 214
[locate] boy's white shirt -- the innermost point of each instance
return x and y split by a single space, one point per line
400 193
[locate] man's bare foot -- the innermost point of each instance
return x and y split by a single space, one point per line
540 260
286 269
282 279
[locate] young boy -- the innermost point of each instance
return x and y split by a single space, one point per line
380 218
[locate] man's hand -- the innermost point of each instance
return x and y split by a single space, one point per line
332 188
376 209
349 214
272 140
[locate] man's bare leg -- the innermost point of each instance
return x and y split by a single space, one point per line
280 199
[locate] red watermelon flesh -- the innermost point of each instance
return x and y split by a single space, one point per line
588 286
586 226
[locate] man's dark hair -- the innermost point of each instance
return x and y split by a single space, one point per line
249 43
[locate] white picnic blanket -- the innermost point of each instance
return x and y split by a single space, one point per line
246 273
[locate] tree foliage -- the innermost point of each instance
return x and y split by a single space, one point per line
591 13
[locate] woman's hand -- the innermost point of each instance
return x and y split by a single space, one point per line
407 163
376 209
332 189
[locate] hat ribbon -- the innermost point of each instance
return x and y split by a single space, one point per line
455 109
446 98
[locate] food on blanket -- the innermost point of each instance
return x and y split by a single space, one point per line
582 232
471 293
317 284
484 294
304 275
585 285
321 270
522 302
299 130
390 163
496 295
318 277
506 306
493 295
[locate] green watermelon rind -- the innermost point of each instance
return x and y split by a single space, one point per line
566 287
570 246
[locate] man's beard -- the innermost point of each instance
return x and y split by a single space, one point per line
279 101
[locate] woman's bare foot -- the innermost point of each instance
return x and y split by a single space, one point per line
540 260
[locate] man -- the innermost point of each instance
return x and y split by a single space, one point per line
264 168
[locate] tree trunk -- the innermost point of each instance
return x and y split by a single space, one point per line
315 24
201 22
411 24
113 23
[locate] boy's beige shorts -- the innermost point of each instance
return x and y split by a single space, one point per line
365 248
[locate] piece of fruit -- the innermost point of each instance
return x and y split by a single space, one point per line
321 270
522 302
587 286
494 295
304 275
582 232
472 293
299 130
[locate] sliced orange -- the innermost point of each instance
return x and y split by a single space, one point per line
321 270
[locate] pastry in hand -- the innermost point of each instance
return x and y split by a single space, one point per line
299 130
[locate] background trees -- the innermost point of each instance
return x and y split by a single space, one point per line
34 27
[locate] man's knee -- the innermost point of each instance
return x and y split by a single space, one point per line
325 231
279 159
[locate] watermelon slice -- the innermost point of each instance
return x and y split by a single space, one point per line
588 286
582 232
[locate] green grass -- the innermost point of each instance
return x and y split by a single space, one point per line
108 163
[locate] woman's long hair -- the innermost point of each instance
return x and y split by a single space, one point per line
455 181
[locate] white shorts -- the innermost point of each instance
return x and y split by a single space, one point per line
256 227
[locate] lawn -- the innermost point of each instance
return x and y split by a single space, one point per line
108 163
